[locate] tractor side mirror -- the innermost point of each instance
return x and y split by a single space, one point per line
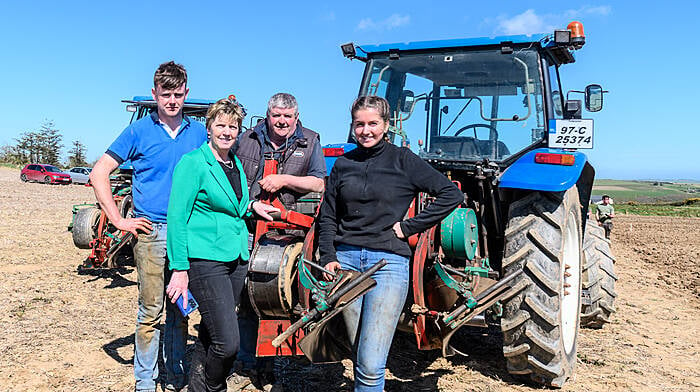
594 97
406 102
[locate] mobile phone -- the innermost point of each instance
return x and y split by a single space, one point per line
191 304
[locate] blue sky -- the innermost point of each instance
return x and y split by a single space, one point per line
73 62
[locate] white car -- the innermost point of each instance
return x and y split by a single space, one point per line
79 175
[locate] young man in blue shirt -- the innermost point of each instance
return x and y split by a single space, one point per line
153 145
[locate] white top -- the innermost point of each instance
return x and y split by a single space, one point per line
171 132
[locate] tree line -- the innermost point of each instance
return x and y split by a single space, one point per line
43 146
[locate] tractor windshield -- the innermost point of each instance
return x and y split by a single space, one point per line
461 105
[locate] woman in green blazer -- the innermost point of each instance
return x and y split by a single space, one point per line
208 239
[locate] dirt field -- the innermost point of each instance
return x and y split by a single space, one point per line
67 331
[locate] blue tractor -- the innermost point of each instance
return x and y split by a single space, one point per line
491 115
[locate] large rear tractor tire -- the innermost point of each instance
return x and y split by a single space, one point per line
85 227
598 289
541 320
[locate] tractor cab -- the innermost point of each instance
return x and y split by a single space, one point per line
143 105
470 100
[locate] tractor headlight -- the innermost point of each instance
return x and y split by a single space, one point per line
348 50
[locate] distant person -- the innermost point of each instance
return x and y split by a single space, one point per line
154 145
208 238
361 221
605 213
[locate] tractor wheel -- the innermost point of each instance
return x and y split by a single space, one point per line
23 177
541 320
126 207
47 180
598 292
85 227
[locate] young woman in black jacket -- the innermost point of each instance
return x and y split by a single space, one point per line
361 222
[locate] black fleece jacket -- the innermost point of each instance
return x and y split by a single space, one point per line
371 189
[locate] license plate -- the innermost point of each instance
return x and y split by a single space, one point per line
571 133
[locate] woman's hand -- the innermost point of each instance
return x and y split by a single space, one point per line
178 286
397 231
333 266
263 210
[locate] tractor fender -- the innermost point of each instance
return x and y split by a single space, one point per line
330 160
524 173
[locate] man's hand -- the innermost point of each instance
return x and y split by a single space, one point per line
133 225
333 266
273 182
263 210
178 286
397 231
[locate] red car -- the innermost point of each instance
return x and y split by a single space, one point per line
47 174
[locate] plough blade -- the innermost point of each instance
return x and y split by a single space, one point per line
485 300
338 299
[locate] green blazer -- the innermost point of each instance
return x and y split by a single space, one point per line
205 220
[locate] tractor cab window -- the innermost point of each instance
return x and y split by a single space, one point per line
557 96
461 105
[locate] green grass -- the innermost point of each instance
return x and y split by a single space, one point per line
660 210
645 191
688 208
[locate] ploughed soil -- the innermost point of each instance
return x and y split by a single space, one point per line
67 330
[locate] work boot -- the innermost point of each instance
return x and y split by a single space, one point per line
173 388
241 379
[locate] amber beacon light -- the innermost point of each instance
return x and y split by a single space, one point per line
577 36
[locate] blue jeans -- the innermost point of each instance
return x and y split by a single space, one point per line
248 326
371 320
153 273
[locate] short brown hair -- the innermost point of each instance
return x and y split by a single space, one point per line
170 76
371 102
226 107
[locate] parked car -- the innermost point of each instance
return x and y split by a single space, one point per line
79 175
47 174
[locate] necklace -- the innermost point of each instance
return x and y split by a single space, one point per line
228 164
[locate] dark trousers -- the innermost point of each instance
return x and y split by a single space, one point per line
217 288
607 225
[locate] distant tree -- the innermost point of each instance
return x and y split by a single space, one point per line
12 155
76 155
50 141
27 147
41 146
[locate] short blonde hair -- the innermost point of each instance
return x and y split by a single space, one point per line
227 107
